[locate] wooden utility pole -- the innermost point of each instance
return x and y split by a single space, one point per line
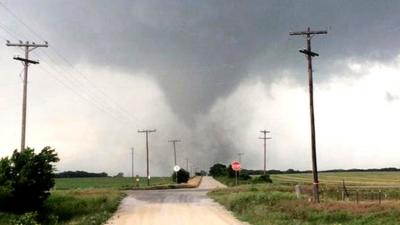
240 156
28 47
187 164
147 151
265 148
174 144
309 34
133 168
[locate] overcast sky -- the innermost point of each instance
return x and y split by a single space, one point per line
211 73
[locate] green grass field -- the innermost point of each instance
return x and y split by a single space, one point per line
120 183
383 179
276 203
271 204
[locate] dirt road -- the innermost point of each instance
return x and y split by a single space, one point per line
173 207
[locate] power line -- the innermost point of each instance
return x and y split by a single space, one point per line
88 96
309 34
118 108
76 82
97 105
19 20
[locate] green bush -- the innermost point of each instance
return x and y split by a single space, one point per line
218 170
262 179
244 176
26 179
183 176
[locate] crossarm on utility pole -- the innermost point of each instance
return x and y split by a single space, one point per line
309 32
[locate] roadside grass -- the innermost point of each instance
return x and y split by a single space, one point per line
262 204
84 201
75 207
89 206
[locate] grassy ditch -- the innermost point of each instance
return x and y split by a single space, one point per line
83 201
277 204
78 207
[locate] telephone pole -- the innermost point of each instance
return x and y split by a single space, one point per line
187 164
174 144
28 47
309 34
265 148
240 156
133 168
147 151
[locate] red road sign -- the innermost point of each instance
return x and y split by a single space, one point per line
235 165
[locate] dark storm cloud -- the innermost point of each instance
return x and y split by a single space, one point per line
200 50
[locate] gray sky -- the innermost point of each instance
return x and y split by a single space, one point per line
212 73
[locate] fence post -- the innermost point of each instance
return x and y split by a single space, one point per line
338 194
380 196
357 196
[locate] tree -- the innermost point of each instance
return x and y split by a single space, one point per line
231 172
120 174
218 170
183 176
73 174
26 178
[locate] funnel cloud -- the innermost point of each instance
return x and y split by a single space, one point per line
212 73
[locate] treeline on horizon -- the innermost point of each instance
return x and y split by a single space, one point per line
77 174
292 171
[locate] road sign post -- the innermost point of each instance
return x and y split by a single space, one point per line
236 167
176 169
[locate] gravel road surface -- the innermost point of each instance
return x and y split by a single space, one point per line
173 207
